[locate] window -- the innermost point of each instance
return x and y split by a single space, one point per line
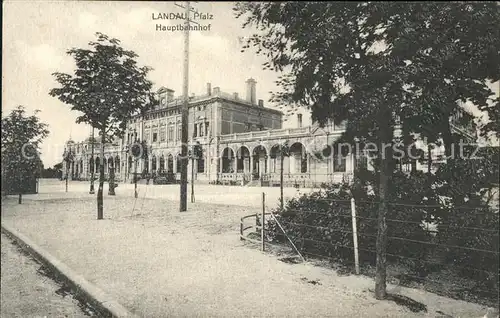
339 163
195 130
179 131
162 134
170 136
299 120
155 137
201 130
146 136
206 129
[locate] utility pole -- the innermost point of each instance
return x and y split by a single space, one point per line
185 107
193 153
92 191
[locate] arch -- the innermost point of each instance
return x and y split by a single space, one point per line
178 163
297 147
117 164
91 165
275 156
97 164
226 149
162 163
243 151
243 160
298 158
153 164
259 154
275 151
227 158
259 150
130 162
170 163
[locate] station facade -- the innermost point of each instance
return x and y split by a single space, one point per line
240 138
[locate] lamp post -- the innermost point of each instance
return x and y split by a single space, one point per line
92 191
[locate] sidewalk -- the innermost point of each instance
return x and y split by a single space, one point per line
218 194
158 262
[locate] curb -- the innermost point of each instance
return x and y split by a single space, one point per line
103 302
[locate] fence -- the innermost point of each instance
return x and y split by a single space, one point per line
446 250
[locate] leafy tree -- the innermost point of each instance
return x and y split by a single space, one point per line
21 138
108 88
379 65
58 169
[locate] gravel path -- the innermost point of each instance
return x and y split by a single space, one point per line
27 293
161 263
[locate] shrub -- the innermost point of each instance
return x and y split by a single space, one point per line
320 223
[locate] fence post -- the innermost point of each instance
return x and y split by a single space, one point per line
355 235
263 220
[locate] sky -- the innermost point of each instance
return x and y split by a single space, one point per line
37 34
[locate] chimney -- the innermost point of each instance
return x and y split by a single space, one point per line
235 96
170 95
251 90
209 89
216 90
261 103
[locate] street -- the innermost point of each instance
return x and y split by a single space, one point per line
26 292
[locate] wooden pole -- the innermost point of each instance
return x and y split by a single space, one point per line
355 236
263 222
184 118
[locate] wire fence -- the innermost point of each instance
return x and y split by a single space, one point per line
447 250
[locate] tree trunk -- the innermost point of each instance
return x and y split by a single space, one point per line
111 181
100 203
384 176
67 172
447 139
429 159
20 188
281 181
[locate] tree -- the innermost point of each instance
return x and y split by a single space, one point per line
21 138
379 65
58 169
108 88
